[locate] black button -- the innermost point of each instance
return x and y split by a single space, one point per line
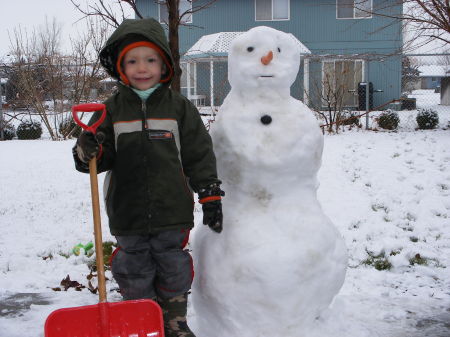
266 119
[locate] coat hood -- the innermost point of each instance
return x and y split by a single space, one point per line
133 29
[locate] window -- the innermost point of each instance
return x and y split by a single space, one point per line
340 80
353 9
185 5
271 10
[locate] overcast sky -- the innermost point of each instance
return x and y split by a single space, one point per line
31 13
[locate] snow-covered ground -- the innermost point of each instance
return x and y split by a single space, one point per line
388 193
425 99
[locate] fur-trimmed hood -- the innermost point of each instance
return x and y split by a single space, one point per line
148 29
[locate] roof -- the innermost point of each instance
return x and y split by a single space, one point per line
434 70
217 46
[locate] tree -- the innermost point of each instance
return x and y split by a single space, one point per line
425 19
410 74
46 82
334 89
175 19
32 53
332 93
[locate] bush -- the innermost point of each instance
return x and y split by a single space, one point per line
67 125
389 120
349 118
29 130
427 119
9 132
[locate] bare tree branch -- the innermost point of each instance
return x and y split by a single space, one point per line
46 81
174 20
432 17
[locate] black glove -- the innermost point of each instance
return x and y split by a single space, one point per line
210 198
212 215
89 145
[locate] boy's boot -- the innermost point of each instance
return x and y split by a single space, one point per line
174 313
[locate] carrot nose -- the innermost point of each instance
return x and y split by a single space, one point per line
267 58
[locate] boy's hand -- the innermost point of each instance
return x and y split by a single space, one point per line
210 198
89 145
212 215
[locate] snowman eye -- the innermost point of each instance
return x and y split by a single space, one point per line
250 49
279 50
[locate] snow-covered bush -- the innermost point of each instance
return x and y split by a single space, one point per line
29 130
8 132
349 118
427 119
67 125
389 120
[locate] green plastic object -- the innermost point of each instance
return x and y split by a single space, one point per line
87 247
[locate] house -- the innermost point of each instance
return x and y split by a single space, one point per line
431 75
348 44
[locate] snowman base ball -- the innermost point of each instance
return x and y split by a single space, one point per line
279 261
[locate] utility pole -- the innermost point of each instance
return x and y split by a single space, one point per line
367 93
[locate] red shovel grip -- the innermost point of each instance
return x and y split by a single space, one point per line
89 107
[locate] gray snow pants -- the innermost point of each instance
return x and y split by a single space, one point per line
153 265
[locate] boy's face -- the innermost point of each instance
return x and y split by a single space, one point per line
143 67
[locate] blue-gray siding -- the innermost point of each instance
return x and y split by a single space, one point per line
315 24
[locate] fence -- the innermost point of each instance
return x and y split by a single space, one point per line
358 89
343 90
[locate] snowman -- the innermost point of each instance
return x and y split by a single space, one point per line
279 261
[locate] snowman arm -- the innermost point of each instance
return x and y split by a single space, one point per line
197 155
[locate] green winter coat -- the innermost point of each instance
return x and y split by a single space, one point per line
155 151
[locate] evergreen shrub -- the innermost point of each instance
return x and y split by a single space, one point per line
427 119
29 130
9 132
349 118
389 120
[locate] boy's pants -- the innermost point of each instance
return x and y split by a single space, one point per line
153 265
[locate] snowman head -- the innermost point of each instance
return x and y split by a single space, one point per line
263 57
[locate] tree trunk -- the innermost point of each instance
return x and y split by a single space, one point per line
174 21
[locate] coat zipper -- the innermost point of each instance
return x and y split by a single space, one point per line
147 178
144 110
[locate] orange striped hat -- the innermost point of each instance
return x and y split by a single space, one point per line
148 44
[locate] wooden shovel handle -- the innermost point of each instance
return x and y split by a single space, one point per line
90 107
97 230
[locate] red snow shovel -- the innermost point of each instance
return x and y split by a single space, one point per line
138 318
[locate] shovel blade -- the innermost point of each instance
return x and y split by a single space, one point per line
137 318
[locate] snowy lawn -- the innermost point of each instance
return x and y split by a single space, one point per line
388 193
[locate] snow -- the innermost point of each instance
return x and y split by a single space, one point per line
387 193
434 70
379 189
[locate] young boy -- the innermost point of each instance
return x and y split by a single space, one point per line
154 148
